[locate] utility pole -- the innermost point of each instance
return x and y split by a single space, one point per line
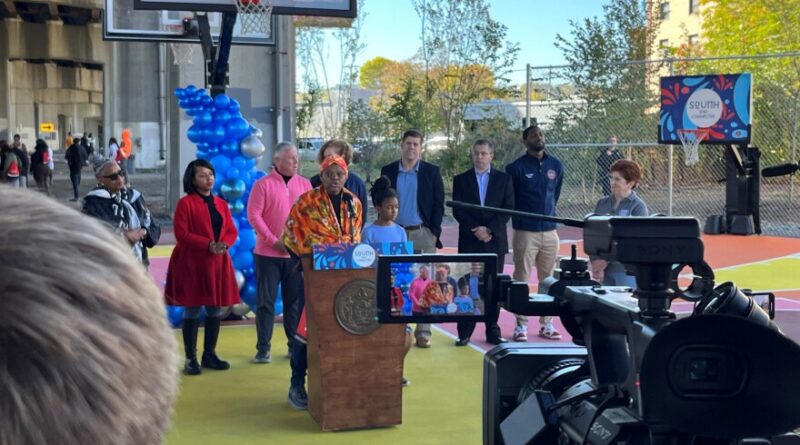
527 95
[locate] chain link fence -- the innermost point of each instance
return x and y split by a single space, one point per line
581 107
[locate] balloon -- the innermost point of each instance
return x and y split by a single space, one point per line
239 162
234 106
232 190
175 315
239 279
191 89
213 150
191 111
200 154
222 116
249 272
206 100
252 147
248 239
236 207
244 223
232 251
250 164
231 148
235 224
224 312
250 294
214 134
233 173
237 128
240 309
203 119
183 103
243 259
221 101
255 131
180 93
195 134
278 306
221 164
259 174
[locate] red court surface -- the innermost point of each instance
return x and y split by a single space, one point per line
721 251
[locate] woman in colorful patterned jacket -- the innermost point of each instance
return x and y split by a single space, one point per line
327 214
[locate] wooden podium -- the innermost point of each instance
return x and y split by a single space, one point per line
355 366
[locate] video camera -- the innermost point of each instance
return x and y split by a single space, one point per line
639 374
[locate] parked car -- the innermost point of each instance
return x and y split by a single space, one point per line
307 148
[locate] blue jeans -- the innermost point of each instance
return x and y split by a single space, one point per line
76 183
615 275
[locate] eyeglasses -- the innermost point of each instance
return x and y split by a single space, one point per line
115 176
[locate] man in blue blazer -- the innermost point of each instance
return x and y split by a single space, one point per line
421 194
483 232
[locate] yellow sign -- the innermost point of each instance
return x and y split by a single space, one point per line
47 127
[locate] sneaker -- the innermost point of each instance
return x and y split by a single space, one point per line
262 358
298 399
520 334
549 332
406 382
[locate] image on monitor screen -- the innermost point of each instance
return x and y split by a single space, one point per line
434 288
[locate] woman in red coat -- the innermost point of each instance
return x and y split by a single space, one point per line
200 270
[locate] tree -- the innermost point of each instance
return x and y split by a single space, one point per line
614 96
314 54
466 57
367 127
760 27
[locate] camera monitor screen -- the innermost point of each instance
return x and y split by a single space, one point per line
435 288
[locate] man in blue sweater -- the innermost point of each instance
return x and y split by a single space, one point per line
537 179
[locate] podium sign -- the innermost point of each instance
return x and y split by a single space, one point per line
355 365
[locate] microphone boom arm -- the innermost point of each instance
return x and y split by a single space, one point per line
566 221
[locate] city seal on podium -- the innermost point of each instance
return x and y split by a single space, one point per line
355 308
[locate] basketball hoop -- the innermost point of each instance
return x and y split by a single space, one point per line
255 16
691 139
182 53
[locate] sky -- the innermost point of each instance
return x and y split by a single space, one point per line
392 30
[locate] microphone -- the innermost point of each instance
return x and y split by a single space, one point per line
779 170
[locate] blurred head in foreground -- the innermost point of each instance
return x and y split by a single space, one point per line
87 356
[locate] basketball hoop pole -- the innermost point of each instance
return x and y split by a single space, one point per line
216 58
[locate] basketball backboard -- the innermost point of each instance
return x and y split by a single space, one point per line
722 103
123 21
327 8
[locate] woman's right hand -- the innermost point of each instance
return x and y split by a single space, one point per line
598 269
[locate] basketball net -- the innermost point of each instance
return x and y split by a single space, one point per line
691 139
182 53
255 16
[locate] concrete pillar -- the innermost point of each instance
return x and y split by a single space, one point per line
6 112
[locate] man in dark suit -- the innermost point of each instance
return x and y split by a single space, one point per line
483 232
421 194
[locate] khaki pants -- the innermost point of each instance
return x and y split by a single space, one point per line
424 241
534 248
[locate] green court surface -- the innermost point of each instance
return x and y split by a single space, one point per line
773 274
247 404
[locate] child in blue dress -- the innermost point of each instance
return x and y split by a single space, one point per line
385 230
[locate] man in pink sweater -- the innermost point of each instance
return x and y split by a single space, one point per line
270 201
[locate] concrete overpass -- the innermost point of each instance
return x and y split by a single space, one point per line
55 68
